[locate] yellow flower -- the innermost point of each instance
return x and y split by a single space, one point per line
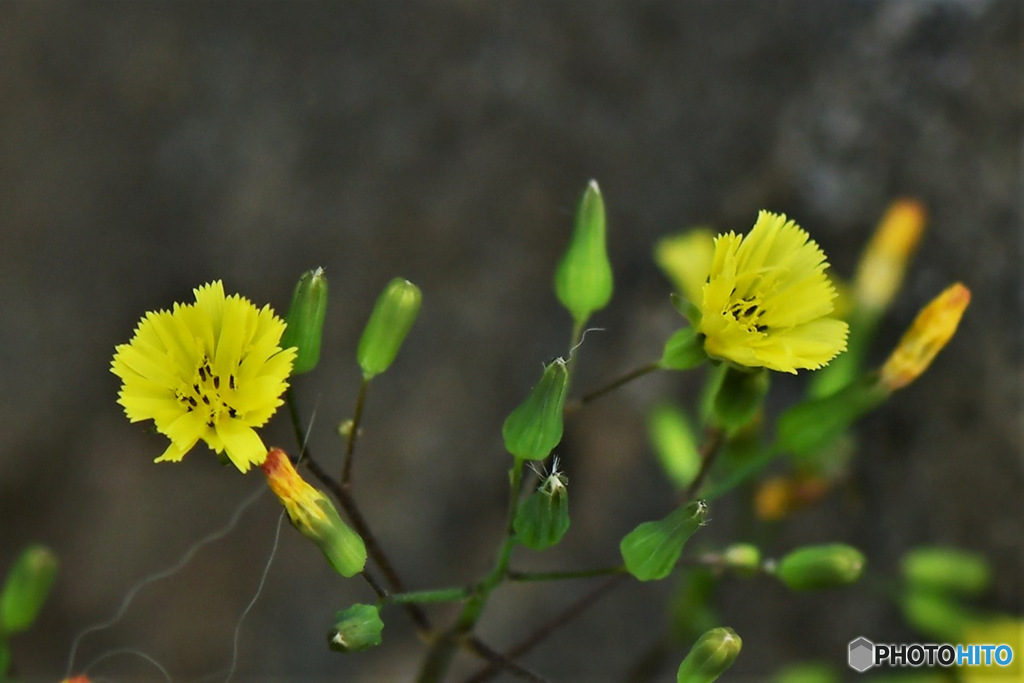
1000 630
767 300
212 370
931 331
686 259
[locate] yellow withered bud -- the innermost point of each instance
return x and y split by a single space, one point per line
931 331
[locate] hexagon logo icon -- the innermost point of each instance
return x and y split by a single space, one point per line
862 654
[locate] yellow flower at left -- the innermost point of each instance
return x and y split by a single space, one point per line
212 370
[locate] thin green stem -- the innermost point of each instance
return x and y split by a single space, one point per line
422 597
708 455
573 406
439 657
353 434
563 576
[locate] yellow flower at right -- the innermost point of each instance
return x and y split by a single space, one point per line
768 300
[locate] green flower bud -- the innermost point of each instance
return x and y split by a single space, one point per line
342 546
946 569
355 629
652 549
26 588
809 427
808 672
710 656
306 320
543 518
583 280
683 350
744 558
820 566
672 437
936 615
738 396
390 322
534 428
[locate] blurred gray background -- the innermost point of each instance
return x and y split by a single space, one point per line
146 149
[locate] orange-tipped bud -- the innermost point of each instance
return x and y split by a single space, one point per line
932 330
881 268
312 513
779 497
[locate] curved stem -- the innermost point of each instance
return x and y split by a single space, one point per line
562 576
573 406
708 454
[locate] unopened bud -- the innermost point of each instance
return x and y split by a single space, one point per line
743 558
936 615
26 589
313 514
949 570
881 268
355 629
543 518
779 497
305 320
583 280
931 331
534 428
672 437
390 322
710 656
651 550
821 566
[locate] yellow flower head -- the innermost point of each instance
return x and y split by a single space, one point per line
767 300
932 329
210 370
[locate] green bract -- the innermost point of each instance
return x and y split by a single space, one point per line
534 428
356 629
652 549
26 588
683 350
305 320
739 396
583 280
390 322
710 656
821 566
342 546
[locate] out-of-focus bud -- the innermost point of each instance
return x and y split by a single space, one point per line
313 514
710 656
881 268
672 437
779 497
355 629
739 396
651 550
812 425
583 280
743 558
535 427
683 350
390 322
936 615
949 570
543 518
932 330
77 679
812 672
820 566
686 261
26 588
306 320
